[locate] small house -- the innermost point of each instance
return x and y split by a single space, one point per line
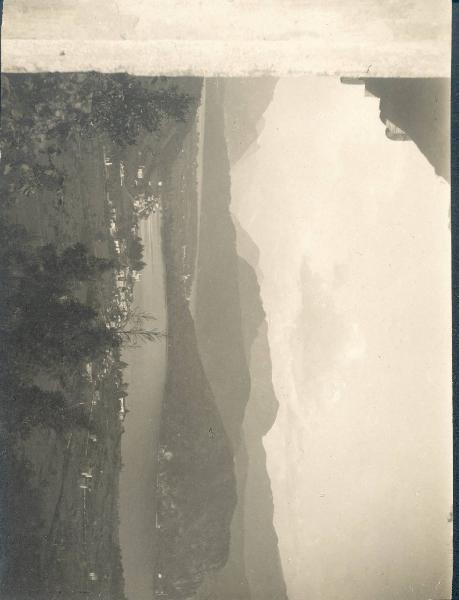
123 410
88 371
87 473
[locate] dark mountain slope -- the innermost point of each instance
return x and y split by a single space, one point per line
196 481
262 559
420 107
229 321
218 314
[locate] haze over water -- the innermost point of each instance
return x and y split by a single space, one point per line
146 378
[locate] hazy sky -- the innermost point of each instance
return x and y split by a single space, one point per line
354 241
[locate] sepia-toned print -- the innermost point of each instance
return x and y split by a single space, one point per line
225 368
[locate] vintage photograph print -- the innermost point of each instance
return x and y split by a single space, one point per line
225 324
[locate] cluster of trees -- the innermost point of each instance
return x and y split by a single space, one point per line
20 523
135 331
44 328
41 112
47 332
134 252
122 106
145 202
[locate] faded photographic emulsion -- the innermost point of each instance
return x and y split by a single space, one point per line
225 300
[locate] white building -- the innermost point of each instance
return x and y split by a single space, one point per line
88 370
123 410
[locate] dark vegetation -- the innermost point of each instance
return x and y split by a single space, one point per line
214 543
60 358
196 486
196 481
134 252
51 109
231 331
43 323
419 107
20 525
62 314
45 329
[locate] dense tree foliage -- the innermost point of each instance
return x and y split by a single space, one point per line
20 520
44 329
60 357
134 252
121 106
47 110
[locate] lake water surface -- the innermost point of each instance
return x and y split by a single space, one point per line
145 375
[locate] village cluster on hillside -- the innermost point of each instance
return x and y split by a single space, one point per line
80 155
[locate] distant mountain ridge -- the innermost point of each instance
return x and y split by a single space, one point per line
215 518
232 341
196 484
245 100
